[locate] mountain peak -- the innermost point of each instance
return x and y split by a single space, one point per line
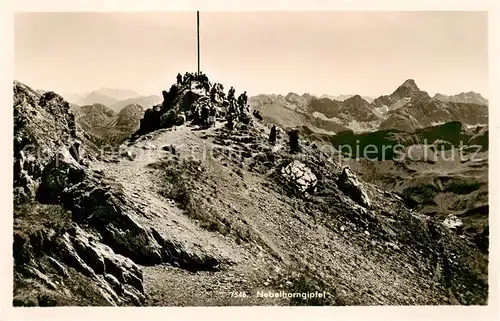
410 84
406 89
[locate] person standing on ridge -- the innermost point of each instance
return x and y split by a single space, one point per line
221 92
230 94
272 135
212 114
241 99
244 98
230 121
293 142
179 79
225 108
213 94
231 107
242 108
204 116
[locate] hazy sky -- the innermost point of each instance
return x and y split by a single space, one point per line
369 53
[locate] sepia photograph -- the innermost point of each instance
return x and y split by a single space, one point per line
246 158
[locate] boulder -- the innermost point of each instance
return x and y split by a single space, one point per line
300 177
349 184
130 154
453 223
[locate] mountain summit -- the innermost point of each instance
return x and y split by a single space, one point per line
407 89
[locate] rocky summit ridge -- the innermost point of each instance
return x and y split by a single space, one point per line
184 215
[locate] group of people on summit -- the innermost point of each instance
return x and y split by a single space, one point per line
205 111
189 77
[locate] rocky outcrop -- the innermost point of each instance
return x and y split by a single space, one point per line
350 185
53 259
43 125
150 121
61 173
179 104
107 210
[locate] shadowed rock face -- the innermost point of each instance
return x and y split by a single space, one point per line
225 203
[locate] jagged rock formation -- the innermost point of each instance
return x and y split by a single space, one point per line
408 91
132 231
298 101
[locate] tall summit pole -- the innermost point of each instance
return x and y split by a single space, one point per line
198 36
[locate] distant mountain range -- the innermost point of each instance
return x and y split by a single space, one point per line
113 98
406 109
344 97
469 97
